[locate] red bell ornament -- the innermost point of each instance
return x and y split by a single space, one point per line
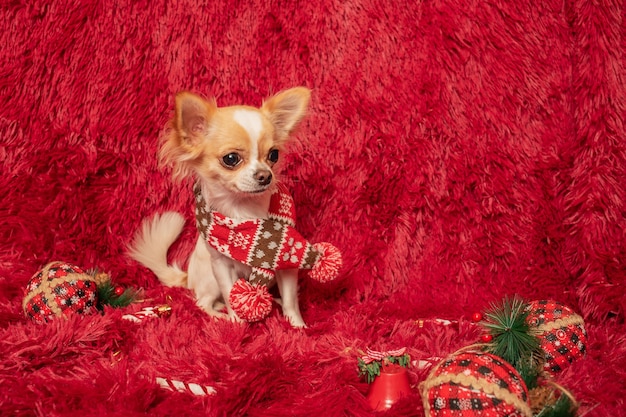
388 387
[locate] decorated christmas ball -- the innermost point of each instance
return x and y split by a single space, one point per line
474 384
561 333
57 289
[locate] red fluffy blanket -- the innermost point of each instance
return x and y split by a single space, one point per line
456 152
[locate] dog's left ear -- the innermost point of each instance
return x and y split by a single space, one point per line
286 109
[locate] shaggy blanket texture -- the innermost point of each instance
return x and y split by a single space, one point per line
455 151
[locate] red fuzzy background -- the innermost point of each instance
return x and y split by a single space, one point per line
456 151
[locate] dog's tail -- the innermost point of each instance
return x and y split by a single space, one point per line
151 243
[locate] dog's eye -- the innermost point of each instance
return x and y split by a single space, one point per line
273 155
231 160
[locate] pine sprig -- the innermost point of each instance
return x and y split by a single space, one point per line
563 407
529 372
371 370
107 296
513 340
403 360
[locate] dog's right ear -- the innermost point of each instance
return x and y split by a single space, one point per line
181 145
193 115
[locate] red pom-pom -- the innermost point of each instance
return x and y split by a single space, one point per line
250 302
327 267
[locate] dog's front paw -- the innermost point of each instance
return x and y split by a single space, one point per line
292 314
295 319
297 323
232 316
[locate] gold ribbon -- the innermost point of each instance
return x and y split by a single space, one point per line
574 319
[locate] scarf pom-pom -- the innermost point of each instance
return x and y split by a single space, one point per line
328 265
250 302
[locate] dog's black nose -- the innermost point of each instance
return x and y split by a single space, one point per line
263 176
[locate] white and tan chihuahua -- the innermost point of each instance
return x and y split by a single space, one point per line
230 151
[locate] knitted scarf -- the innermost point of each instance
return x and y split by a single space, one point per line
266 245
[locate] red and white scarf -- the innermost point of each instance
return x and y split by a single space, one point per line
266 245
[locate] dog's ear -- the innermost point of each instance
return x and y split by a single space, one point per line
286 109
193 115
188 129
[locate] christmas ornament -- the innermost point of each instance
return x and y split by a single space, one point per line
523 334
386 373
474 384
162 310
60 288
387 388
515 332
195 389
561 333
267 245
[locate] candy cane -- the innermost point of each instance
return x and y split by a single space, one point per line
195 389
147 312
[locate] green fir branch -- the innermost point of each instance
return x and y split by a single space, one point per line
403 360
107 296
529 371
563 407
371 370
513 340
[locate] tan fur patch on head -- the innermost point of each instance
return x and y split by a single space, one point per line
230 144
